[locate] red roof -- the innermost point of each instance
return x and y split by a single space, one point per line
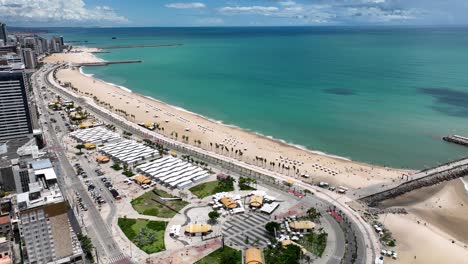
4 219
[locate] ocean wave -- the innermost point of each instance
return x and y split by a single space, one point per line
465 182
86 74
113 84
220 122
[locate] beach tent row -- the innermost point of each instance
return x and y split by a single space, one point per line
128 151
173 172
96 135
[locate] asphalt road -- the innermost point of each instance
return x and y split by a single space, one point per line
96 228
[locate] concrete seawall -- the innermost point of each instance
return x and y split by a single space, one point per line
457 140
429 180
105 63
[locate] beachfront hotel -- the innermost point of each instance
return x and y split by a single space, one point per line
15 119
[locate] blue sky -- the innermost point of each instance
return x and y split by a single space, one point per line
232 12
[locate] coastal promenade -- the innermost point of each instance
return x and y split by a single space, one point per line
367 238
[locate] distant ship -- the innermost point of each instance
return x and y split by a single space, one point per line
114 37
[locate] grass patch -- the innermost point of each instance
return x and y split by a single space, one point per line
224 255
145 234
209 188
151 204
315 243
280 255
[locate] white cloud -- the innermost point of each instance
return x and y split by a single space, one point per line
192 5
287 3
258 10
56 12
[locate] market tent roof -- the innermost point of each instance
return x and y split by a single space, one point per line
148 124
290 182
228 202
102 159
253 256
256 200
142 179
302 225
84 125
198 228
89 145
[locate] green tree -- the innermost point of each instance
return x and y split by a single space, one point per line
80 147
313 213
271 227
213 215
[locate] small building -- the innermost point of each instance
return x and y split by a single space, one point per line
102 159
253 256
5 225
228 202
5 251
83 125
302 226
140 179
198 229
89 145
256 201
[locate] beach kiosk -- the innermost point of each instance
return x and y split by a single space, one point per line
228 202
253 256
84 125
198 229
140 179
102 159
302 226
89 145
256 201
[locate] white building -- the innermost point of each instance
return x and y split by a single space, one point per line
44 226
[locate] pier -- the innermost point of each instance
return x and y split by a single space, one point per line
373 195
105 63
457 140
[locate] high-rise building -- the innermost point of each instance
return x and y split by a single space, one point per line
45 228
3 33
29 58
15 118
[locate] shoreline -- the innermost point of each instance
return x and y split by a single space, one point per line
319 165
220 122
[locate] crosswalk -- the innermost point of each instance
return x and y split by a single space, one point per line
120 259
246 230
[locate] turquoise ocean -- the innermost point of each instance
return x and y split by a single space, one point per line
380 95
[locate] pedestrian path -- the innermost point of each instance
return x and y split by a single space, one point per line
246 230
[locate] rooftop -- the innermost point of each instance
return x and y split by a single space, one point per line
41 164
38 196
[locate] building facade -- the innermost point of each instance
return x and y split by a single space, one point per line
45 229
15 119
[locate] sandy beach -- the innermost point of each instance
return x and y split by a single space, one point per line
76 55
173 120
437 215
437 222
